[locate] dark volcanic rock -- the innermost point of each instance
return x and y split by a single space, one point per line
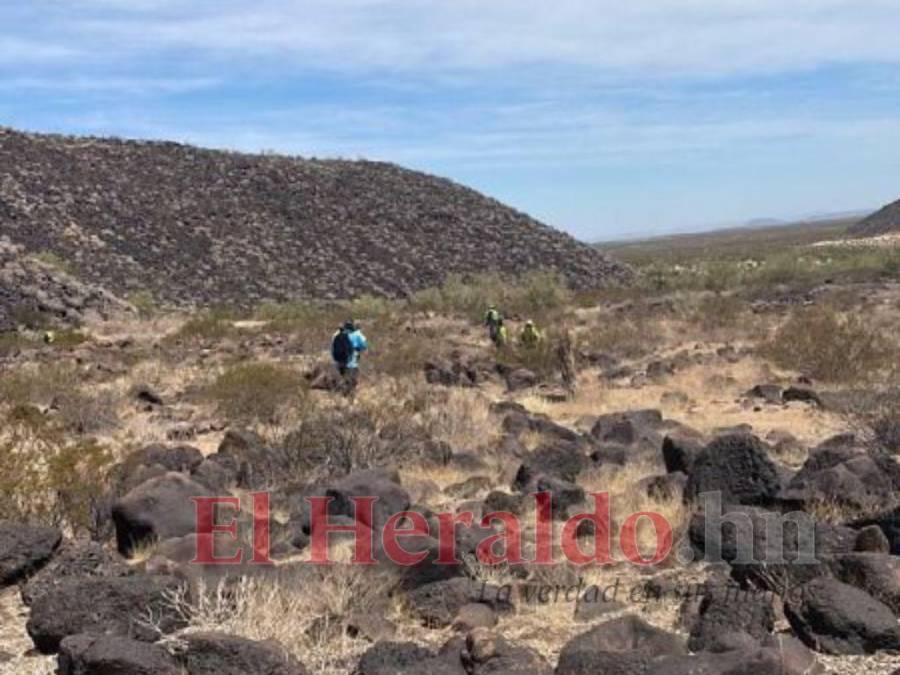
159 509
625 645
24 549
74 559
199 226
114 606
738 466
437 604
221 654
111 655
746 661
724 623
406 658
834 617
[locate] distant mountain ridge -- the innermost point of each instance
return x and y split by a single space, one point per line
197 227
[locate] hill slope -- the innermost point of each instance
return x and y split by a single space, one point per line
196 226
885 221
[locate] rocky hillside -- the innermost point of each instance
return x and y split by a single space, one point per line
30 287
885 221
195 226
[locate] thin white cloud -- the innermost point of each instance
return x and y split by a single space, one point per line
140 86
687 38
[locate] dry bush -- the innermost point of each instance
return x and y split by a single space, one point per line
537 295
541 359
85 411
624 337
718 311
37 384
875 416
831 347
49 478
309 323
74 407
208 326
462 418
330 442
400 349
307 611
257 392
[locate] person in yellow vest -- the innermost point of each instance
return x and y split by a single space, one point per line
501 335
530 337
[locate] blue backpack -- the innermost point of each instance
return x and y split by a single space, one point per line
342 347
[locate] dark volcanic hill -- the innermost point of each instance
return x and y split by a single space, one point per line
194 226
885 221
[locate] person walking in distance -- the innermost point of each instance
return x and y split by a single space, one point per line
493 320
346 346
530 337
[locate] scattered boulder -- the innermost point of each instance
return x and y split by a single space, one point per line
113 655
802 393
680 450
407 658
842 475
563 494
624 645
24 549
764 555
438 604
745 661
460 369
876 573
521 378
159 509
74 559
560 460
769 393
144 393
738 466
222 654
872 539
725 622
103 606
384 485
888 521
629 428
485 653
834 617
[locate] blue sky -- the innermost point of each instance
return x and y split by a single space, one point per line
605 118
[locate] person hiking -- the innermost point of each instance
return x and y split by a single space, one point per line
346 346
501 335
530 336
493 319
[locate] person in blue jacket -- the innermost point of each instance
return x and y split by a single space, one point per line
346 346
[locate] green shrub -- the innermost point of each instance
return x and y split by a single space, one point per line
536 295
257 392
831 347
